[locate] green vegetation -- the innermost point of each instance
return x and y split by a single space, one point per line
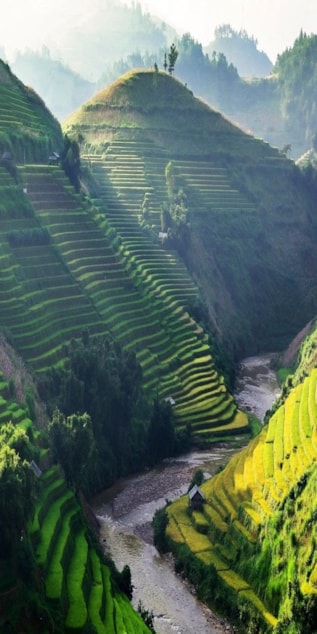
224 221
116 429
53 572
241 50
27 129
119 323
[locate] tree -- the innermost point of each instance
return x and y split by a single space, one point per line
73 444
197 479
286 149
16 498
170 179
159 524
161 432
172 57
125 582
70 158
104 381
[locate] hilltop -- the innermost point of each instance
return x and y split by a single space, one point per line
153 106
251 218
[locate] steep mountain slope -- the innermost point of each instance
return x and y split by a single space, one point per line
248 227
53 575
69 275
27 128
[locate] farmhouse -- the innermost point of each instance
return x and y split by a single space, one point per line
54 158
196 498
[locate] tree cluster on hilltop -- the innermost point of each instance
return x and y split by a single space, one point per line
241 50
297 78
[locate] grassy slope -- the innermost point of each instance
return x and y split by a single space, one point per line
68 582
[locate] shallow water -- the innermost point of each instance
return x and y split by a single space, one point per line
125 512
256 386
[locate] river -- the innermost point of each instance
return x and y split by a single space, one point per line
256 385
125 512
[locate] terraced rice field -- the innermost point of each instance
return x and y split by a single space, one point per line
183 369
240 499
76 580
42 304
24 122
69 267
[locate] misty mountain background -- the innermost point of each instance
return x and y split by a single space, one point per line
98 45
93 48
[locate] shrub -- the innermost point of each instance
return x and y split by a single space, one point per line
159 524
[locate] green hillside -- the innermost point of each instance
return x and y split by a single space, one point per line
188 244
52 571
65 273
69 274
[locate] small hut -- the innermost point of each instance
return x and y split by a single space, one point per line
54 158
196 498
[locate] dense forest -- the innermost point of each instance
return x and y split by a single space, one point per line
116 429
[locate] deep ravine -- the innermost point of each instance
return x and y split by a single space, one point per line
125 513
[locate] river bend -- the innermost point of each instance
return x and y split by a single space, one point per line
125 513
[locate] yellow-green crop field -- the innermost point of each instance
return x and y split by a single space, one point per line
242 497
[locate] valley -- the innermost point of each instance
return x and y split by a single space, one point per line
166 246
126 511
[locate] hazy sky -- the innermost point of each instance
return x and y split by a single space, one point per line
274 23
